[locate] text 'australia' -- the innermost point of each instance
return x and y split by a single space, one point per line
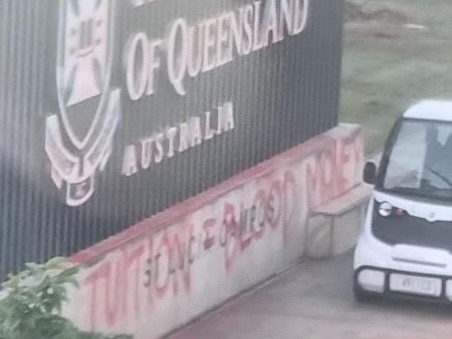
177 139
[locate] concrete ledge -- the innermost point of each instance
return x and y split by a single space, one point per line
335 226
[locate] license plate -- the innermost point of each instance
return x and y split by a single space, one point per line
415 285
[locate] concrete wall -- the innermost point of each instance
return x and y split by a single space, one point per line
166 271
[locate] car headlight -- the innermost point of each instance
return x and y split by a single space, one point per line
385 209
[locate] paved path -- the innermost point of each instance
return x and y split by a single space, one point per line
314 300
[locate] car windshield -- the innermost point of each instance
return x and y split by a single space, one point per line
420 162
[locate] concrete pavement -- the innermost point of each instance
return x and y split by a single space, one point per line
314 300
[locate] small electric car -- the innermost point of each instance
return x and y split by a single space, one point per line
406 246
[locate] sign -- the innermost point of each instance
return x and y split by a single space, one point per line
79 137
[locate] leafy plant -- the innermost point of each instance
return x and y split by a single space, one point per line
31 303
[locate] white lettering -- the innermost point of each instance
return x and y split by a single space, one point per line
146 152
257 22
286 16
154 64
194 54
177 52
176 139
301 9
224 40
270 25
183 137
211 43
247 41
159 147
236 28
227 119
171 134
210 27
208 132
129 163
136 65
195 126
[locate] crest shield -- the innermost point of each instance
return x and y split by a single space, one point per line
79 137
84 63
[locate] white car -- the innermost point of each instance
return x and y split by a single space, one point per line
406 246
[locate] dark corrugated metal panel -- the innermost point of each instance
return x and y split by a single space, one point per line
282 95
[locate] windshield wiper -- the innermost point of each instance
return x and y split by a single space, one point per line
439 175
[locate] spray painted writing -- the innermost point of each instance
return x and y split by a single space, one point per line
215 248
161 265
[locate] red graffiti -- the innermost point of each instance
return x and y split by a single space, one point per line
132 261
111 278
169 268
258 216
334 170
208 227
350 157
243 225
133 281
289 204
159 266
228 236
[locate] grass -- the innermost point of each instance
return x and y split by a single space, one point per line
388 66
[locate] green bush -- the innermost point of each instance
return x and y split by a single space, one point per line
31 304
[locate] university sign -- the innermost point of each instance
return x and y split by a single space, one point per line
115 111
174 150
80 135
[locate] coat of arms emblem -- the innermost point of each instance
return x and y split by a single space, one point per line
79 137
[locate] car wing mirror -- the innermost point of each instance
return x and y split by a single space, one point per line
370 173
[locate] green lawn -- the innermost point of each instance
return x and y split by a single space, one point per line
388 66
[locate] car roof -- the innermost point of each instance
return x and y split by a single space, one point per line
440 110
